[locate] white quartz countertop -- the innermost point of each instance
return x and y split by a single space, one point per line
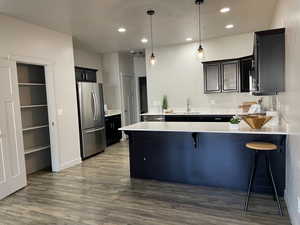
112 113
203 127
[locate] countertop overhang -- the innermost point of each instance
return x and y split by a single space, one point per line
203 127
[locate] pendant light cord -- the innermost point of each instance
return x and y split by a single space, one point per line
199 9
151 33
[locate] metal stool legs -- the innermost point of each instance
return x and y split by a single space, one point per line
250 186
252 178
273 183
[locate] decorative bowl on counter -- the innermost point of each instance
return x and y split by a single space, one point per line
256 121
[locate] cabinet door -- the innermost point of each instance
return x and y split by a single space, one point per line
86 75
270 60
117 125
79 74
246 73
212 81
12 162
230 76
90 75
108 131
112 125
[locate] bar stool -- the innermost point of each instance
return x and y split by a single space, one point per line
262 147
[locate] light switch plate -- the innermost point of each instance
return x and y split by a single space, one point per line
60 112
298 204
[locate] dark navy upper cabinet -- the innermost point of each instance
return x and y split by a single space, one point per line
212 77
269 61
230 74
261 74
85 75
221 76
246 73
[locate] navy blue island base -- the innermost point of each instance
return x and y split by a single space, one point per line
207 159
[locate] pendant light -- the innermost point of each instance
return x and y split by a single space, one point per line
200 50
152 57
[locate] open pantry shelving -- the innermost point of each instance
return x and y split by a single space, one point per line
34 112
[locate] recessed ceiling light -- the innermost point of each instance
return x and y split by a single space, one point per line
189 39
144 40
229 26
225 10
122 30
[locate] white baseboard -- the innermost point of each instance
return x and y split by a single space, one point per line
69 164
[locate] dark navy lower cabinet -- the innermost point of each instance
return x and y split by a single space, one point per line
112 125
198 118
215 160
186 118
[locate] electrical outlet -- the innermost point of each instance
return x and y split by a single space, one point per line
298 204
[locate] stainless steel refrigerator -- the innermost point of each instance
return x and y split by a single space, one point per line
92 121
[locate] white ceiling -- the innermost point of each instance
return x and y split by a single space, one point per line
94 23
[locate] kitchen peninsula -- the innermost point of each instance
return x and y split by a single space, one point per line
203 153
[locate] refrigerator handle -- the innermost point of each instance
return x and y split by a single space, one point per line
94 103
98 107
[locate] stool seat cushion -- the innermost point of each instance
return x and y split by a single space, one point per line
261 146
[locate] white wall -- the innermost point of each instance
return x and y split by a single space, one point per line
288 15
139 63
117 67
126 64
22 39
88 59
114 66
111 81
179 73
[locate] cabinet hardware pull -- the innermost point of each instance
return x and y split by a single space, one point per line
195 139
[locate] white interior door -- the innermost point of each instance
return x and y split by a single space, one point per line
12 161
130 103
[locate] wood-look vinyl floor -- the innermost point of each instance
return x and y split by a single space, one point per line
100 192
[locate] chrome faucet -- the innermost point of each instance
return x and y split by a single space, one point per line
188 105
